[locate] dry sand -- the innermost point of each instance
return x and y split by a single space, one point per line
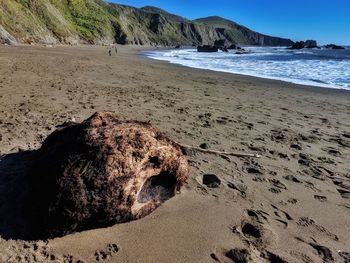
292 205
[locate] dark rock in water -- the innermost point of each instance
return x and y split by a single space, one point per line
298 45
310 44
177 46
207 48
332 46
211 180
233 46
100 172
224 49
222 43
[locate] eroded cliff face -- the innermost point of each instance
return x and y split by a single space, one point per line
97 22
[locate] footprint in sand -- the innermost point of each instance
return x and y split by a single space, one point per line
211 180
344 193
273 258
239 255
254 233
324 253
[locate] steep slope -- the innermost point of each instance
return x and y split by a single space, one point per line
96 22
240 34
155 26
52 21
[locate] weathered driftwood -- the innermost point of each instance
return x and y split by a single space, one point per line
184 146
100 172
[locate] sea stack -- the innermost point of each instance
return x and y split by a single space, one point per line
102 171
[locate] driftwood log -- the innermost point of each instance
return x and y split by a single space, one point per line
100 172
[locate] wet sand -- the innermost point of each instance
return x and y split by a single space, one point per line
291 205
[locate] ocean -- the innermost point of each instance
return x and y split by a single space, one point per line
316 67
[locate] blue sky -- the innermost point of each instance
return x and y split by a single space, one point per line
327 21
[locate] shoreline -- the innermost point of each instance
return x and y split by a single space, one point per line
282 205
309 83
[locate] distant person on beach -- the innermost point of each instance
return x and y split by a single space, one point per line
110 51
115 49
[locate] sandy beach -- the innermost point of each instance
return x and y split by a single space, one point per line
290 205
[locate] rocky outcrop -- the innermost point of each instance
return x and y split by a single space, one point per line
332 46
298 45
100 172
310 44
207 49
222 43
306 44
238 34
6 38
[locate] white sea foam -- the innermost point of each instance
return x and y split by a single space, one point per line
323 68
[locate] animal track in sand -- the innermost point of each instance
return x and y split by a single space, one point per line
240 187
332 151
253 167
282 217
318 172
278 136
341 141
107 252
320 198
292 178
258 215
311 186
296 147
304 159
278 184
345 256
301 256
311 224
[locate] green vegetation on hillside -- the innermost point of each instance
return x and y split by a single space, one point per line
95 21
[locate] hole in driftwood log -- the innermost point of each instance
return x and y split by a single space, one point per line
158 188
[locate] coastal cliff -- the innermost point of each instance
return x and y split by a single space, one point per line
98 22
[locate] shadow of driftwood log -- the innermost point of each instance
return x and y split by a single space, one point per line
14 189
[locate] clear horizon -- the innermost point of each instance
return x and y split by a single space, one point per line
325 22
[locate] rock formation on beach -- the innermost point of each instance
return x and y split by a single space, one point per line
207 49
100 172
99 22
